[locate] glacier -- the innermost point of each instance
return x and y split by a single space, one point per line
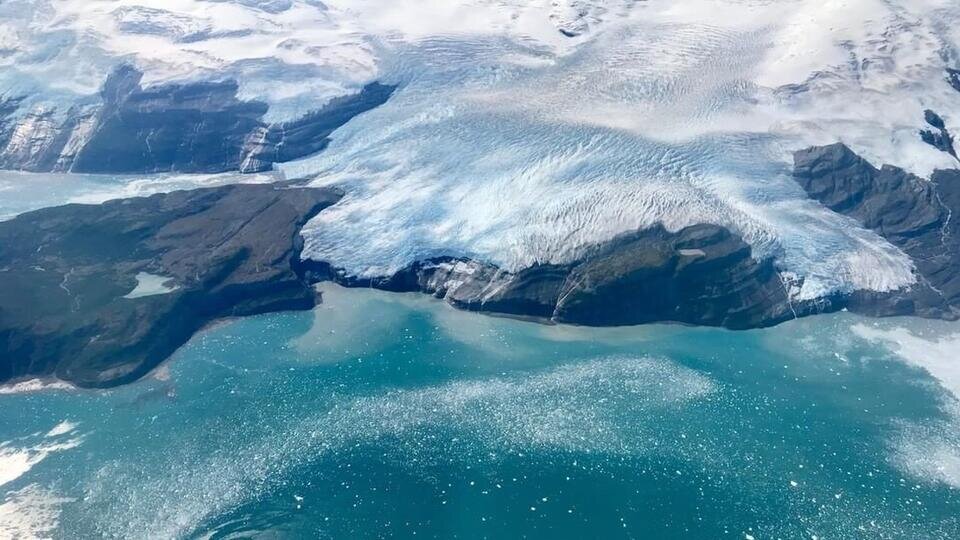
523 132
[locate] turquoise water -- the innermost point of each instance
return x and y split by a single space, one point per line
394 416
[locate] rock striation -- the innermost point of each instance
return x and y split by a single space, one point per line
72 305
201 127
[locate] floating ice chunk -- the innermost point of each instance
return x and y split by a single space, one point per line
939 356
62 429
34 385
929 450
16 459
31 512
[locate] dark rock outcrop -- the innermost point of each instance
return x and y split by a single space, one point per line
200 127
286 141
701 275
953 77
70 307
66 308
912 213
938 137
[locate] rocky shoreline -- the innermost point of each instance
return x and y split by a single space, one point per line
701 275
98 295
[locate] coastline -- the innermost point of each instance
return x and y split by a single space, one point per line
236 250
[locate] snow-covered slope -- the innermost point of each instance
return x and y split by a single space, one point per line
525 130
290 53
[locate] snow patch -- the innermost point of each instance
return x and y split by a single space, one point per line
151 285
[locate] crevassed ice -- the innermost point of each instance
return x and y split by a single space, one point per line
512 143
294 54
514 154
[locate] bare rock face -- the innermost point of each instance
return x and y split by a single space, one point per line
287 141
197 127
74 304
953 77
937 136
912 213
100 294
700 275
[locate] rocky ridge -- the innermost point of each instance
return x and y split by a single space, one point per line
914 214
701 275
200 127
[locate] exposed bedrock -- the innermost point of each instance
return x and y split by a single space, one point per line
914 214
700 275
937 136
286 141
705 274
953 77
98 295
200 127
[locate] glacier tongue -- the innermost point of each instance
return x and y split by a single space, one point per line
525 130
516 156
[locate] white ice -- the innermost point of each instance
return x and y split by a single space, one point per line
512 143
30 513
34 385
938 355
17 457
